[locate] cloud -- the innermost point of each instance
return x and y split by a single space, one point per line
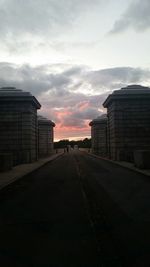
70 95
114 78
37 25
41 16
78 116
136 16
71 82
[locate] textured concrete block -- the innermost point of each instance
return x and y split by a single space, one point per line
99 135
18 124
128 121
6 161
45 136
142 159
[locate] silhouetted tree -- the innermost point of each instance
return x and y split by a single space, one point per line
85 143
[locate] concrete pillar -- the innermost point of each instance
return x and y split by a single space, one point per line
18 124
99 135
45 136
128 111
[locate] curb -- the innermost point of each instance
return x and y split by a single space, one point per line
16 177
144 172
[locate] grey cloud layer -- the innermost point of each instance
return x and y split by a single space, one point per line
136 16
78 118
40 16
26 26
114 78
63 89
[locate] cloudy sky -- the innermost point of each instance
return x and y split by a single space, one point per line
72 53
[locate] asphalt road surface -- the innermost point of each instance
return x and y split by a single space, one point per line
77 211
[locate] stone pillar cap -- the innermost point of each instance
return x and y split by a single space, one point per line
43 120
99 120
133 91
12 93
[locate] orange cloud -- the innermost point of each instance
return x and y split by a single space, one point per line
72 132
83 105
69 126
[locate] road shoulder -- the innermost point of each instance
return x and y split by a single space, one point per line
21 170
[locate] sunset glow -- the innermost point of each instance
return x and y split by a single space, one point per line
71 133
72 54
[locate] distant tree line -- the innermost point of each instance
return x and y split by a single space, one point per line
85 143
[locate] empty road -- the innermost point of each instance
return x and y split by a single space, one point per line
76 211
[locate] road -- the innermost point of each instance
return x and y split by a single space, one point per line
77 211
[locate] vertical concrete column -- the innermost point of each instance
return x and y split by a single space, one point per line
45 136
99 135
18 124
128 111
